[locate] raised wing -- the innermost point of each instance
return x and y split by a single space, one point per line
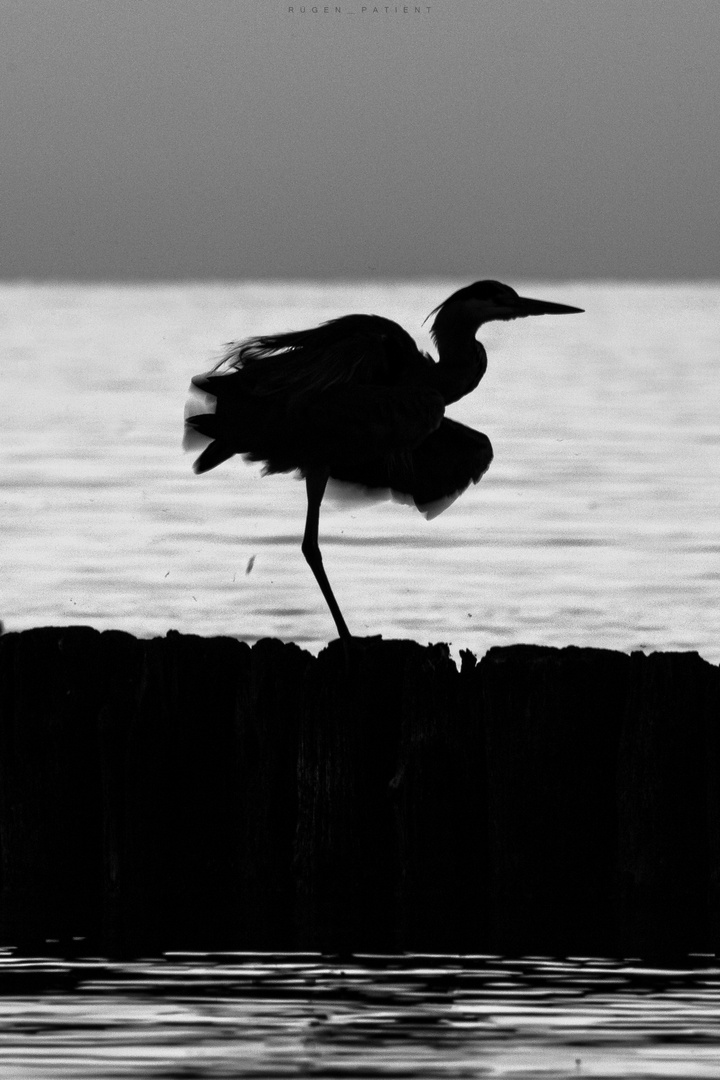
359 349
446 463
433 474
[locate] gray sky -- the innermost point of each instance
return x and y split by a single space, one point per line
235 139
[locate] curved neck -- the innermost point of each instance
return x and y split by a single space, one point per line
456 349
454 331
462 360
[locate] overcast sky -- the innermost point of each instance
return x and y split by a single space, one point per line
239 139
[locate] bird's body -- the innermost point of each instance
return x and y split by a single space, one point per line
356 400
355 397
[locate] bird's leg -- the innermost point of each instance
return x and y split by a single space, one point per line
316 483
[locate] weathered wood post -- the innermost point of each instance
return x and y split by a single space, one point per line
391 830
553 720
171 777
346 844
190 792
268 731
667 806
440 799
201 795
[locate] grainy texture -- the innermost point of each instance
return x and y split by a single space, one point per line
198 793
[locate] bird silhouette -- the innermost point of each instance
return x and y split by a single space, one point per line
356 400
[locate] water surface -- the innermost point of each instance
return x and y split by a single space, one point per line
596 524
253 1015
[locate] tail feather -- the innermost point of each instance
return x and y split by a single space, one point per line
198 430
213 454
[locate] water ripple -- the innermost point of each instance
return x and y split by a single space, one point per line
251 1015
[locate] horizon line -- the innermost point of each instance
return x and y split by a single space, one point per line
279 280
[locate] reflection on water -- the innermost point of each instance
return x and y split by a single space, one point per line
251 1015
596 524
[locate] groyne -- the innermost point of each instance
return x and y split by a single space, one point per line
185 792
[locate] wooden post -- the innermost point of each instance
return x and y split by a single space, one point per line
553 720
189 792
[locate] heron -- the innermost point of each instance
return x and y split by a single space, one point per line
355 399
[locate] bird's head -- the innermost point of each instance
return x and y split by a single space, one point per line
484 301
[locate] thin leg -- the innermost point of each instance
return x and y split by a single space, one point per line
315 484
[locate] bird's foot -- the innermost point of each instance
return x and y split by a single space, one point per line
355 649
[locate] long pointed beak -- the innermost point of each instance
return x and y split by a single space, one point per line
526 306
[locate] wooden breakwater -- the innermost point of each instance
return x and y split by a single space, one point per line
188 792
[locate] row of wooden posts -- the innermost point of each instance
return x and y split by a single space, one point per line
185 792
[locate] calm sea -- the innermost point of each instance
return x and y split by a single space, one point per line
596 525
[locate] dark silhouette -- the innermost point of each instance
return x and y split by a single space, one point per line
356 400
